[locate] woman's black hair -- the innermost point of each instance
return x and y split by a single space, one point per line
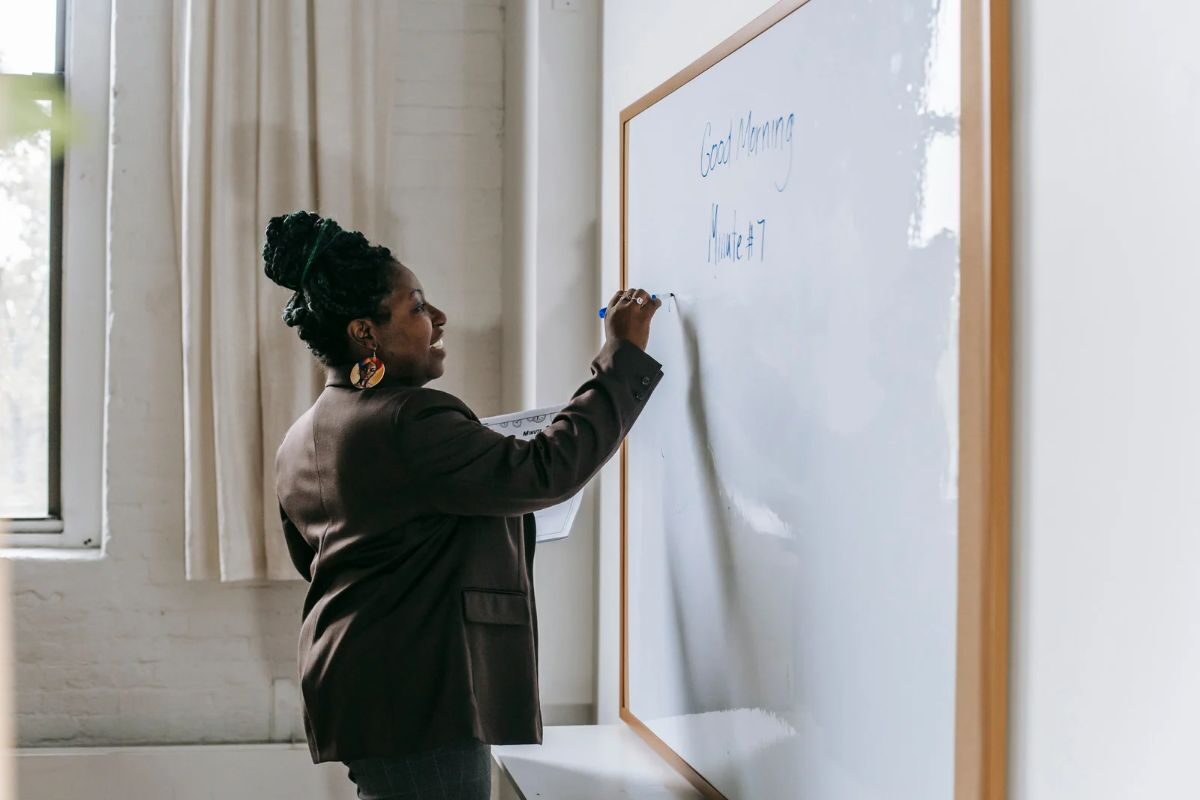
337 276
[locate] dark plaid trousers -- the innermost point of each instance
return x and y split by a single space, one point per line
455 772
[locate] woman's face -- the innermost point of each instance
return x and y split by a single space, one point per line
410 342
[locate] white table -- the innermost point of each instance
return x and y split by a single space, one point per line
587 762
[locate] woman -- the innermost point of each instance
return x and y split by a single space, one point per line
412 522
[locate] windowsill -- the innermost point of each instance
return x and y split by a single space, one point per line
52 553
20 527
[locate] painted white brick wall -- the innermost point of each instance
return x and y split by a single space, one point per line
122 649
446 154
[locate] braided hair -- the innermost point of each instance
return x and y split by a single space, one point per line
337 276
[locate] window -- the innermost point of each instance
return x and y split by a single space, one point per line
52 223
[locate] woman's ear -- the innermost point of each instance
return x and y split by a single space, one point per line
361 333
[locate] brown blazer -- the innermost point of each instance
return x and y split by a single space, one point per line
412 522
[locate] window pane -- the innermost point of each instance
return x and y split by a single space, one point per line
24 326
27 35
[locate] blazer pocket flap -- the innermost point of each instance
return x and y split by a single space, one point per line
497 608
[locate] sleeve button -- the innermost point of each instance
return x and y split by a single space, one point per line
637 395
645 381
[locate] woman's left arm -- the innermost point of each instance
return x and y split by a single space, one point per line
461 467
298 548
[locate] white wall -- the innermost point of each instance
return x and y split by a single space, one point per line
569 332
1106 557
1106 647
446 159
551 329
180 772
122 649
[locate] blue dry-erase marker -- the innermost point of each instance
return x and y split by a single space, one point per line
604 311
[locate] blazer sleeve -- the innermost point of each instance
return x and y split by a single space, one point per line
458 466
298 548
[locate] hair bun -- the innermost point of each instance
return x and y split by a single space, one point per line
290 239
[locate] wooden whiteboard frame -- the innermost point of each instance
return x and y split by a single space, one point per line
984 385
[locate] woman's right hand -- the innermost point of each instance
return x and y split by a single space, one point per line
628 316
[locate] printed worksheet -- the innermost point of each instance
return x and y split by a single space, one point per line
554 522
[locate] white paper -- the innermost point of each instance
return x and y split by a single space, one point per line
554 522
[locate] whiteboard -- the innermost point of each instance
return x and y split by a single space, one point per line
790 491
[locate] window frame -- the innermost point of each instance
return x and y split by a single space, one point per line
77 296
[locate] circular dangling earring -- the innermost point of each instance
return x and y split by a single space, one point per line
368 372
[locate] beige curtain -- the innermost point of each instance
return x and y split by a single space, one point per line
279 105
